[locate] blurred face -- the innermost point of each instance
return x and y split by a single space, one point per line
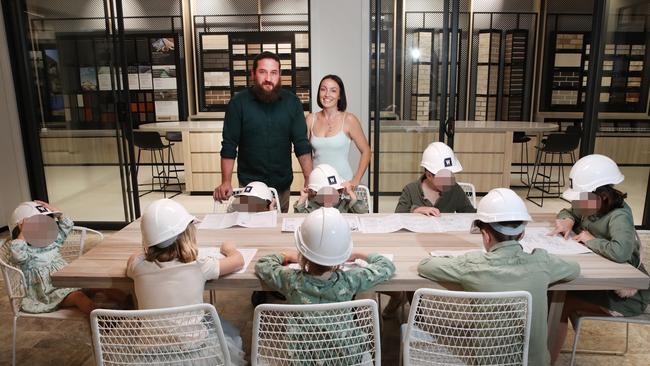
250 204
327 197
267 74
441 182
329 93
39 230
588 204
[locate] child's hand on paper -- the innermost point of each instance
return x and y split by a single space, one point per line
358 255
290 256
229 249
427 211
563 227
583 237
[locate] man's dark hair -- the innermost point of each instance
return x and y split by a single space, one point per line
342 103
263 55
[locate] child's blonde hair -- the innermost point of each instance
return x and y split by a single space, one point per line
184 248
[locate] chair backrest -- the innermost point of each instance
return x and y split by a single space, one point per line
470 192
13 277
74 244
344 333
181 335
222 207
147 140
457 327
363 193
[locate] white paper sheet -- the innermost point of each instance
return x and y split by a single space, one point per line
537 237
417 223
134 82
166 110
213 252
455 221
245 219
359 263
290 224
454 252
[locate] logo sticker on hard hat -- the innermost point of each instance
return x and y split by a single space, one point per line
331 179
41 209
248 189
571 183
447 162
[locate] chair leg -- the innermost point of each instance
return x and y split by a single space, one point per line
13 343
575 342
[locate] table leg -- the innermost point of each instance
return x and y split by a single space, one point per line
554 314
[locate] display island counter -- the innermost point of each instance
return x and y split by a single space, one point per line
484 148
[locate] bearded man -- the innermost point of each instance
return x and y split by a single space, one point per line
262 122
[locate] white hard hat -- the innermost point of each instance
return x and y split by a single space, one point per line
591 172
28 209
256 189
324 175
162 222
502 204
324 237
439 156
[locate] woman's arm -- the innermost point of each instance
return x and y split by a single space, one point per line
307 118
355 132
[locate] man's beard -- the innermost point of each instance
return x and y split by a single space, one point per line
266 96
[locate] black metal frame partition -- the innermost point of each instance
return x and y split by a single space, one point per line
447 117
16 30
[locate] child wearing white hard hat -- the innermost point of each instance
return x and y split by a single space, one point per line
436 191
169 272
324 242
38 231
602 221
502 219
326 189
255 197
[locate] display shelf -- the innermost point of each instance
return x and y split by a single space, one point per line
226 59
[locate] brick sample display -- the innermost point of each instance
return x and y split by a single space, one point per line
487 75
623 77
226 60
514 75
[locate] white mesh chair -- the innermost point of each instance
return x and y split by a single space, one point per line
14 284
470 192
222 207
467 328
363 193
639 319
345 333
74 244
185 335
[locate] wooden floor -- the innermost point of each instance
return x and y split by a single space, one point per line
51 342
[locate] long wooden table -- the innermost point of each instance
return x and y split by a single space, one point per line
104 266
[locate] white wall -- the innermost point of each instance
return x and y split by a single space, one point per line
14 186
340 45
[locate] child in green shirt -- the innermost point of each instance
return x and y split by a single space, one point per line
502 218
603 222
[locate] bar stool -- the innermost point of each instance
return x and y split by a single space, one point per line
160 169
556 145
171 137
519 137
